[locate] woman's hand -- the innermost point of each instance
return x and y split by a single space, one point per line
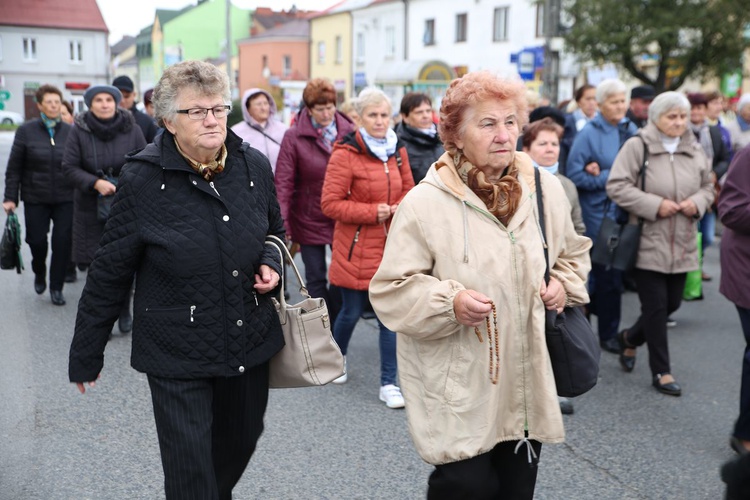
9 206
553 295
266 280
688 208
105 187
668 208
593 169
471 307
384 211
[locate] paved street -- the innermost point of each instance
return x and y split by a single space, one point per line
625 440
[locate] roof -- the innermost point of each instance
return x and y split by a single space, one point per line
344 6
165 15
59 14
297 28
120 47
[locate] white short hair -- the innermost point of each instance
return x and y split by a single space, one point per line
371 96
609 87
665 102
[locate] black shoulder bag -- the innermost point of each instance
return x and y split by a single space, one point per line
572 344
616 245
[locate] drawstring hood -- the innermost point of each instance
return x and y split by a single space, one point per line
445 176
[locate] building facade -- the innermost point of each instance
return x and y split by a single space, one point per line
62 43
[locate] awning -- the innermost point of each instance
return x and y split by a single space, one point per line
410 72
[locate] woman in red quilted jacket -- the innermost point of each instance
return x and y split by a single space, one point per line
367 177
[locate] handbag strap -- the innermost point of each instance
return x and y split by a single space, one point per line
540 209
641 174
279 245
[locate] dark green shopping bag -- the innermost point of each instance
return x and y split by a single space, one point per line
694 282
10 245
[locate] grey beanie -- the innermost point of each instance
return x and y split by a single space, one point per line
98 89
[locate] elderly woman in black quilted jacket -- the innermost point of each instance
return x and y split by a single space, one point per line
189 220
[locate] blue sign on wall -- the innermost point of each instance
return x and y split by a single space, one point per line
528 61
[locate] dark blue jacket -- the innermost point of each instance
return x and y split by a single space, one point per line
598 141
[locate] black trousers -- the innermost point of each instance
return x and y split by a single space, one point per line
660 295
605 288
208 429
497 474
38 217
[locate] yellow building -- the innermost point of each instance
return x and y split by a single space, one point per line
331 49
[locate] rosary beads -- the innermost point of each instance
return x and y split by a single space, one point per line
493 339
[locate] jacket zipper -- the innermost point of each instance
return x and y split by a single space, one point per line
214 188
388 180
523 343
673 220
354 242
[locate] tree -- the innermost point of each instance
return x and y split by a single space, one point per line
700 38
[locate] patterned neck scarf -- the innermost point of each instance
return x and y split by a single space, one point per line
326 133
206 170
51 123
502 197
382 148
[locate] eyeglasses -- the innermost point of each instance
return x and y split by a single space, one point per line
202 113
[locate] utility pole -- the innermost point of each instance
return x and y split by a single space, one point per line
228 44
551 73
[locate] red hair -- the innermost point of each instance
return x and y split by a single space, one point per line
471 89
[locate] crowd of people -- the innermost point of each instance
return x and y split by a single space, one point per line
431 222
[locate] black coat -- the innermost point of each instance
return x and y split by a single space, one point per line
35 165
87 159
422 149
148 125
194 251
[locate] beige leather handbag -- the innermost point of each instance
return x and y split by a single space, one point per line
311 356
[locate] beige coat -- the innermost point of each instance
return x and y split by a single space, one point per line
668 245
443 240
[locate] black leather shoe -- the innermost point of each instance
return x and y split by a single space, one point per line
125 323
71 276
40 284
611 345
566 405
670 388
627 362
737 446
57 297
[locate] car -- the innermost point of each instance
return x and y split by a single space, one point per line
10 118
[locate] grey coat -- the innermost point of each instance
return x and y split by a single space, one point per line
668 245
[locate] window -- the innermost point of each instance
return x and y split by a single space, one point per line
500 24
460 27
390 41
429 32
540 24
76 51
29 49
287 65
321 52
339 50
360 47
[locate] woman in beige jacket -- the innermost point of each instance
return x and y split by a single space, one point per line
678 190
462 283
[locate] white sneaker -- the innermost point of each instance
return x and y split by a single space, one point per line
391 396
343 378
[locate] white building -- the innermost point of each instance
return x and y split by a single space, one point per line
482 35
57 42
